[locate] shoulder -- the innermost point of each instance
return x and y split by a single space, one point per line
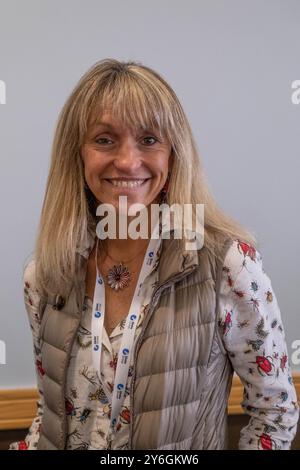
31 295
29 279
242 261
246 289
29 272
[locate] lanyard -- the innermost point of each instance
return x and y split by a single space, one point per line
127 341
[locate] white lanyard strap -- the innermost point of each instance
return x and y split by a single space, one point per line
127 341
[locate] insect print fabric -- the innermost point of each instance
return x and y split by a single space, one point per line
254 338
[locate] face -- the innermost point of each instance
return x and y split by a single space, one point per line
119 163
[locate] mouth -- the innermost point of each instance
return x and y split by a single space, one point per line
126 183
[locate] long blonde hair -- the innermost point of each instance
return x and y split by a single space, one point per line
137 96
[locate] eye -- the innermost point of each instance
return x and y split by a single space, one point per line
101 139
151 137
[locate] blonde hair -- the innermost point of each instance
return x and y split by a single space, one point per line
139 97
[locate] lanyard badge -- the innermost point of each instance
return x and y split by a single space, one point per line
127 340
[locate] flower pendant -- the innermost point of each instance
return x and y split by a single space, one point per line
118 277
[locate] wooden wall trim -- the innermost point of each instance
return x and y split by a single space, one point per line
18 406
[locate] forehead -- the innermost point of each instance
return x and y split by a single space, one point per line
120 121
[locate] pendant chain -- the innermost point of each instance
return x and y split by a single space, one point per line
119 276
127 261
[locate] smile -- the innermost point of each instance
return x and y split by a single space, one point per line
134 183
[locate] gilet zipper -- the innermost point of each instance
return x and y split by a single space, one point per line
148 313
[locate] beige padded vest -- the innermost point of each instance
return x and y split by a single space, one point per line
182 375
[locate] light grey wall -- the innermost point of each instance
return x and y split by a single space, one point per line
231 63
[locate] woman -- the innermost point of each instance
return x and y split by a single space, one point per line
136 339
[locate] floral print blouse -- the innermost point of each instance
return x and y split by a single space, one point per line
253 335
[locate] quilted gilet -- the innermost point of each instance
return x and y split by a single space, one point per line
182 375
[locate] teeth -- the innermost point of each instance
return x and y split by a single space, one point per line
127 184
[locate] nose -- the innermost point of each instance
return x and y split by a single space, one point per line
128 159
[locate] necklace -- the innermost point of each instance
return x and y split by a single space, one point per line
119 276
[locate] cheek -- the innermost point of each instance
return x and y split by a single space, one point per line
164 163
161 167
93 165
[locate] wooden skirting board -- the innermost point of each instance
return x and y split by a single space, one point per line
18 406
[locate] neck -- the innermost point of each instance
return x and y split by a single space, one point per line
119 249
126 248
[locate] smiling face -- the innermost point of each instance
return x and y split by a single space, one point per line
121 162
